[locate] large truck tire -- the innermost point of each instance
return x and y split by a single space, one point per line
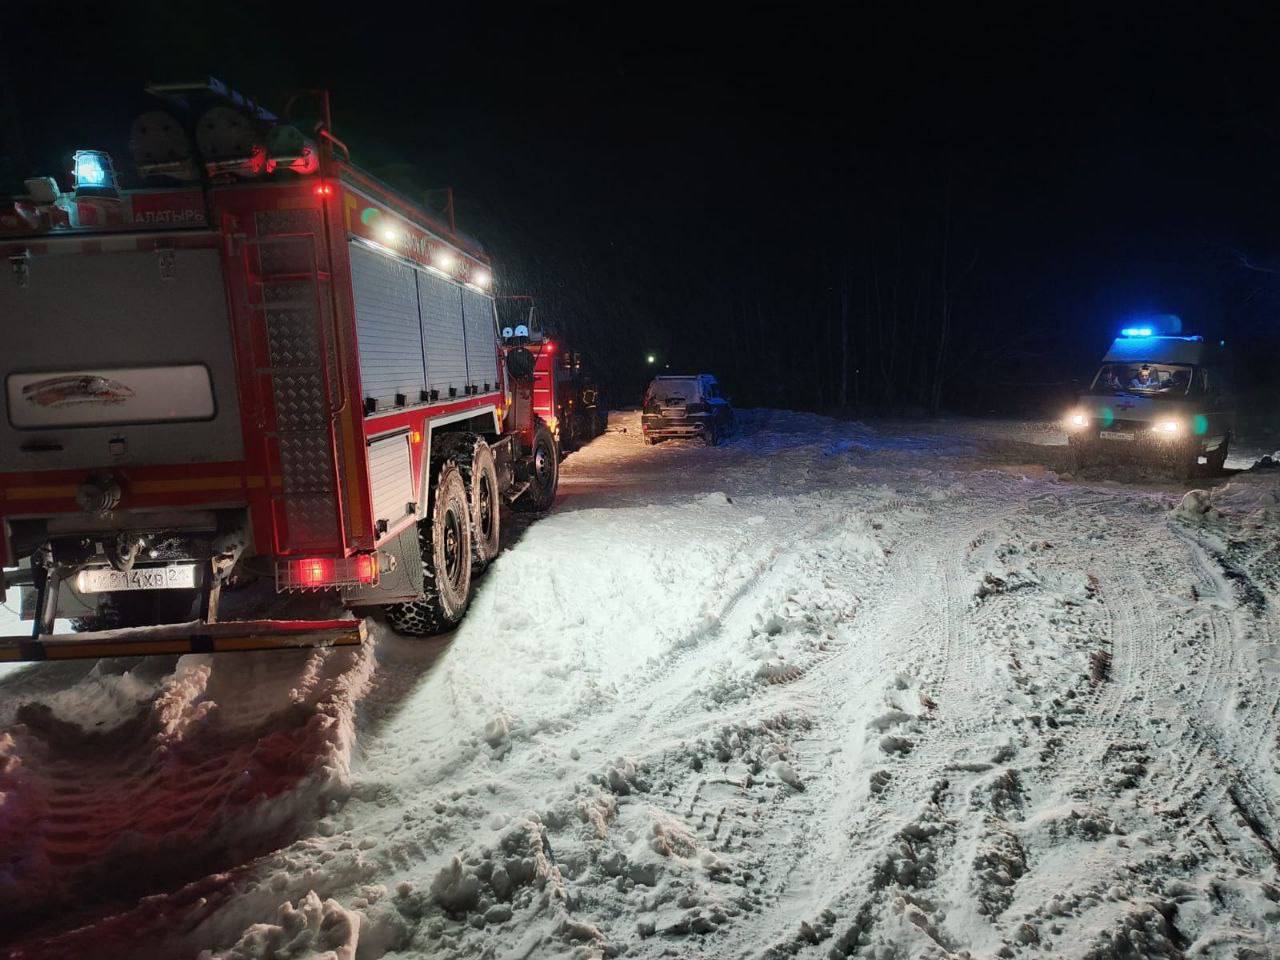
480 474
544 472
444 537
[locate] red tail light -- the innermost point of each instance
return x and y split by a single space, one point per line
327 573
315 573
366 569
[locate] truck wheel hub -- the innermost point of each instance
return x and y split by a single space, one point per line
486 510
452 547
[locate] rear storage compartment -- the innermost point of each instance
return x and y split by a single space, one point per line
117 358
119 363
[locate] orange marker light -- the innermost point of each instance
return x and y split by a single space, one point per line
415 436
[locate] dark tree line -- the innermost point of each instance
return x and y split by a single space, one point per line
844 298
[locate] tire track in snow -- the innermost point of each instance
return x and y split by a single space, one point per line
1091 738
1247 767
923 619
225 755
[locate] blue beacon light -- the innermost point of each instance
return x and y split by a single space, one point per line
89 169
95 175
1136 332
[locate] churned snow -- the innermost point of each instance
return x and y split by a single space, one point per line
903 690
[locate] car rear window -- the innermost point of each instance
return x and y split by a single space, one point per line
674 390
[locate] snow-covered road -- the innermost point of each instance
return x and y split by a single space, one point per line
824 691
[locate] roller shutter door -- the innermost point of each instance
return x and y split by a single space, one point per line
387 328
391 483
442 331
477 310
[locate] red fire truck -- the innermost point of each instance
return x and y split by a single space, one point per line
261 383
566 395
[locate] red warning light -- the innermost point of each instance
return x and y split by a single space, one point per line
324 189
315 572
327 573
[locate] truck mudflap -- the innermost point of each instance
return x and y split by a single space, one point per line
184 638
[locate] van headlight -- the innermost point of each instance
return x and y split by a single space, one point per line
1168 428
1077 420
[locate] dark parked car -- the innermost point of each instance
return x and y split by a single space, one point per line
689 406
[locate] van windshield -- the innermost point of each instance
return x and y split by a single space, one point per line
1164 379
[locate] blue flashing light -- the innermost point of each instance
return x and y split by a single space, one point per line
90 171
1136 332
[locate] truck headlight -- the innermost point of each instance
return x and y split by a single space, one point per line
1167 428
1077 421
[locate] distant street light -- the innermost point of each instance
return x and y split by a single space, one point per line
652 358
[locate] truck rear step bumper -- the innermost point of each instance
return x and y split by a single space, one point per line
184 638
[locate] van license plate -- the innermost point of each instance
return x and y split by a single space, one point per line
1115 435
176 576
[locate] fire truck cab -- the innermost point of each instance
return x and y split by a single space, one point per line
259 380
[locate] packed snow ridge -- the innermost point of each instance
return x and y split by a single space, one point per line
828 690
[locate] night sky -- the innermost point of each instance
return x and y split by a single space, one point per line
992 193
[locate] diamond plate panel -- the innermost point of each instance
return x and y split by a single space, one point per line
308 524
286 254
301 403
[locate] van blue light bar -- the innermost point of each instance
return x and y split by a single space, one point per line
1136 332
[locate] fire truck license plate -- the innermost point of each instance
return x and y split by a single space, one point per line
176 576
1115 435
